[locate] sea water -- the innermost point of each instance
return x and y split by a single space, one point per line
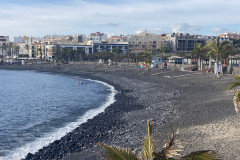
39 108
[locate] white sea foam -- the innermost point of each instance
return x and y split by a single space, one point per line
34 146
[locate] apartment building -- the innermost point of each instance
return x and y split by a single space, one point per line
4 40
230 35
140 42
118 39
79 39
24 49
122 48
87 49
98 37
184 42
21 39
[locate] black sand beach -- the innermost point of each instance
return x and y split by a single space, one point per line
196 103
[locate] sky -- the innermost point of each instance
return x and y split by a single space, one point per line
114 17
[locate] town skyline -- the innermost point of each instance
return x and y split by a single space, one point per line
62 17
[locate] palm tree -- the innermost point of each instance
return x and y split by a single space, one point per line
116 53
163 50
10 46
57 52
27 47
217 49
66 54
199 51
4 48
148 146
169 152
16 50
80 53
72 54
236 96
40 50
147 55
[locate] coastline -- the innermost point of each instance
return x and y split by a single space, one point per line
143 94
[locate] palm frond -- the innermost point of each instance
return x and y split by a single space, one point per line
201 155
234 84
236 99
158 156
238 95
150 127
171 149
115 153
224 43
237 77
148 146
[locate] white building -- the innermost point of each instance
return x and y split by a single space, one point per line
184 42
4 40
21 39
25 49
98 37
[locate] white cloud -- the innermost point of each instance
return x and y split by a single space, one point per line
159 30
219 30
140 30
80 16
184 27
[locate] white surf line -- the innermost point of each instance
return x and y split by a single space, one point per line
39 143
183 75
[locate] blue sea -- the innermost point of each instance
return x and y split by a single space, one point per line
39 108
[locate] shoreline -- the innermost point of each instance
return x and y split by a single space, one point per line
69 127
170 102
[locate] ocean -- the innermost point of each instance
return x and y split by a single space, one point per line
39 108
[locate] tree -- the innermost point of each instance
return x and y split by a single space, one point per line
40 50
16 50
101 55
1 49
236 96
4 48
116 54
24 55
163 50
217 49
181 54
169 152
10 47
66 54
57 51
27 47
45 50
80 53
199 51
148 55
72 54
227 51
